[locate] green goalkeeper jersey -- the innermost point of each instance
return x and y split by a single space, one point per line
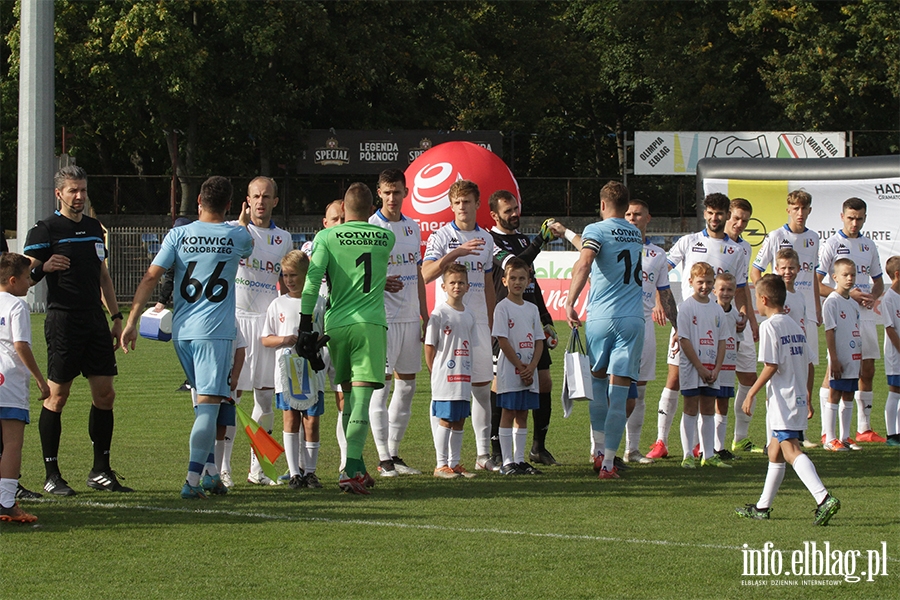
354 259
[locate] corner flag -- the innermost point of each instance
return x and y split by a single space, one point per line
264 445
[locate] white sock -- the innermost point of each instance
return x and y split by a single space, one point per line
806 471
262 414
721 431
707 435
220 453
635 422
311 457
774 477
481 418
890 413
399 413
864 411
378 420
301 436
668 404
506 445
228 447
824 394
292 451
442 445
8 489
599 440
741 421
520 437
829 417
341 438
846 418
456 439
688 432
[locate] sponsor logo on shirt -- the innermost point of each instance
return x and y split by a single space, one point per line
274 240
447 330
452 378
451 364
529 343
698 247
842 249
510 323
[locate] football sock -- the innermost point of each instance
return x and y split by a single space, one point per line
707 435
668 404
741 421
541 422
599 406
824 394
481 418
635 422
210 466
615 418
310 457
721 431
456 440
399 413
688 434
341 438
442 445
496 413
774 477
378 419
598 439
219 453
100 429
506 445
203 436
890 412
50 428
292 451
8 489
863 411
520 438
228 447
357 427
806 471
846 417
301 443
829 416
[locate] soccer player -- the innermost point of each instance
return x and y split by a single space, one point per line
448 344
783 347
16 362
890 310
463 241
206 254
842 319
724 290
701 336
69 249
301 425
518 330
659 307
509 243
354 256
407 317
805 242
714 247
255 287
851 243
611 254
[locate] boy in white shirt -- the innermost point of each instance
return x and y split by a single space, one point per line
783 348
724 290
16 361
701 334
518 329
448 355
841 316
890 310
301 444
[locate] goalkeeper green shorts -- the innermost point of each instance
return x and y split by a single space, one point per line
358 353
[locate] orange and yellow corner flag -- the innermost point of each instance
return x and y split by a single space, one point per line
267 449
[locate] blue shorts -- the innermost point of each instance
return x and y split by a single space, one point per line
632 390
725 392
451 410
227 416
521 400
787 434
700 391
207 364
15 414
615 345
316 410
894 380
844 385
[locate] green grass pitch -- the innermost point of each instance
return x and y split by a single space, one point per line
659 532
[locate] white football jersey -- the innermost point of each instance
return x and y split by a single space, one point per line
256 282
656 276
806 245
406 257
890 312
862 251
449 237
724 256
842 315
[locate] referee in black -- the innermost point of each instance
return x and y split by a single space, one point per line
68 249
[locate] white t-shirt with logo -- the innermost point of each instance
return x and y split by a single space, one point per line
406 257
704 326
806 245
783 343
451 333
862 251
890 312
842 315
256 283
449 237
15 326
521 325
656 276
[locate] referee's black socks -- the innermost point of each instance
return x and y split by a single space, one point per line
50 428
100 428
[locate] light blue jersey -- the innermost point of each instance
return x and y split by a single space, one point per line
206 258
616 274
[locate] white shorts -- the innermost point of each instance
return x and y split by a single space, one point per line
812 340
482 357
648 355
259 364
404 348
329 369
673 355
869 334
746 355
